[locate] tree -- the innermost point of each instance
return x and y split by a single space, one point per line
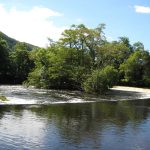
126 42
100 80
4 60
57 67
82 59
138 46
21 63
84 40
136 68
66 63
112 54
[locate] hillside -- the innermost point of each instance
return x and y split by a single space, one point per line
12 42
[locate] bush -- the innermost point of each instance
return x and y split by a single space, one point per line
100 80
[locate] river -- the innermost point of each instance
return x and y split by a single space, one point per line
46 119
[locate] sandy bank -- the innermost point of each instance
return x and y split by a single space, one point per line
128 93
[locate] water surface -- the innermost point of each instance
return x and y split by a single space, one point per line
105 125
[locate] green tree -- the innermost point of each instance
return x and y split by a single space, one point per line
101 80
138 46
112 54
21 63
84 40
126 42
4 60
136 68
82 59
57 67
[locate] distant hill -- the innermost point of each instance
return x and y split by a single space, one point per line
12 42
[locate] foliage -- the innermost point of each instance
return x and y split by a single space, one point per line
101 80
82 59
84 40
136 69
4 61
21 63
114 53
14 60
57 68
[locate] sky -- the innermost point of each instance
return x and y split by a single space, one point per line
34 21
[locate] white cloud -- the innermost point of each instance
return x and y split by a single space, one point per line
142 9
33 26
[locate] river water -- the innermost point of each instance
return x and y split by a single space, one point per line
59 120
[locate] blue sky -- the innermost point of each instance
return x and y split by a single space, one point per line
34 21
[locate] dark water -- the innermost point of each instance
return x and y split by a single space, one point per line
122 125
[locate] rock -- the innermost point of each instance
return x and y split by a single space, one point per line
3 98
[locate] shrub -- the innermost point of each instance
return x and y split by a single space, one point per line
100 80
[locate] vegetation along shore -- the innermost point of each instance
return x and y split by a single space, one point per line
82 59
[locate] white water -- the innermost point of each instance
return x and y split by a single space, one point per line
21 95
17 95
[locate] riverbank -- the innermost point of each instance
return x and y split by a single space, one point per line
128 93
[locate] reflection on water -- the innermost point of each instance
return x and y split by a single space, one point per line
105 125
